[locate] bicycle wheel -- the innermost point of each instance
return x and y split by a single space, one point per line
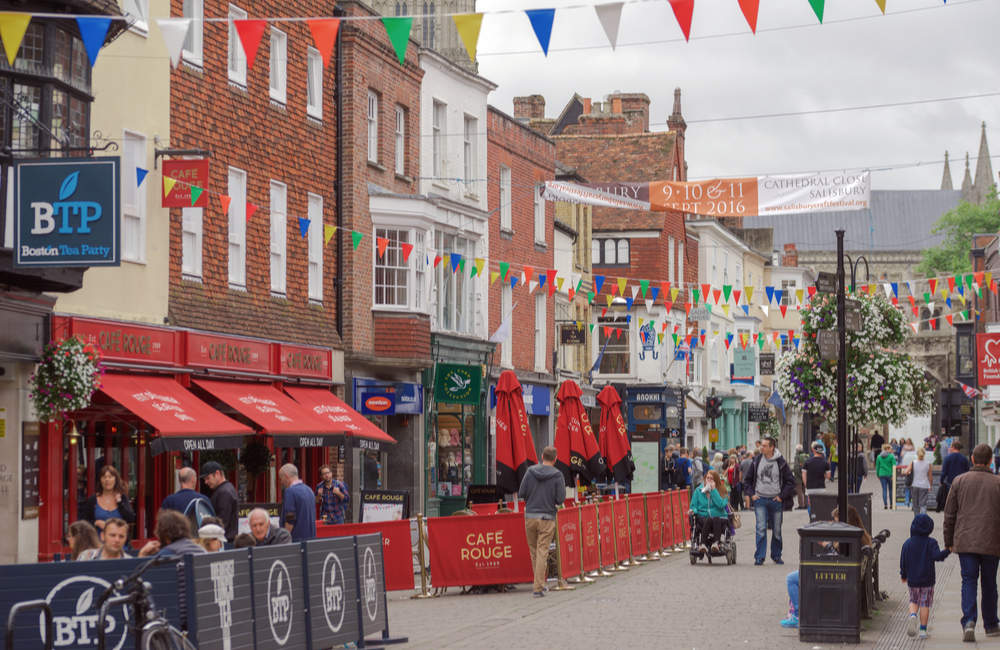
158 635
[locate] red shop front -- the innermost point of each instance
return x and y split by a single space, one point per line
173 397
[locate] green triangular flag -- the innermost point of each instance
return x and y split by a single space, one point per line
726 290
817 6
675 339
760 343
694 296
927 297
591 328
643 287
979 291
357 237
398 30
504 267
968 280
590 296
965 314
195 193
708 307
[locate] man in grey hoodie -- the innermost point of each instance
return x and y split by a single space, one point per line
543 489
768 485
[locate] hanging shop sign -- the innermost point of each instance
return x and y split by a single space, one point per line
988 357
125 342
67 212
766 363
190 172
457 384
758 412
744 365
572 335
537 399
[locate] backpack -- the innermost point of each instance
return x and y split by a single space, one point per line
697 470
671 473
196 511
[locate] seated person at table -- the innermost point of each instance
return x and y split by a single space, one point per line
264 532
708 503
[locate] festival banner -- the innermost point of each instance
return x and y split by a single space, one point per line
637 523
623 549
396 547
606 528
484 550
727 197
654 526
568 541
589 531
685 505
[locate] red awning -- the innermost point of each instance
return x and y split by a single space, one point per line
341 416
184 422
274 412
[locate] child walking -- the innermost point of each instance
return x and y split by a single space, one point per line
916 569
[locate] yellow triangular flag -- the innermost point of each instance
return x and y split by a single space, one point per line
944 294
493 277
559 283
328 233
446 259
798 295
168 185
725 308
989 278
468 30
610 299
881 5
621 285
12 28
673 294
480 263
748 293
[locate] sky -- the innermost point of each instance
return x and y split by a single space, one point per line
921 49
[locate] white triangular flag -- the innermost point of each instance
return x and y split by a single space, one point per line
532 286
888 290
763 308
610 15
174 32
635 291
649 304
502 335
930 306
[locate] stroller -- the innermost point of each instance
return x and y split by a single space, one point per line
726 543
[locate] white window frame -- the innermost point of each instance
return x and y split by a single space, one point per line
671 262
539 215
314 84
134 199
236 59
624 251
788 287
457 293
439 120
314 210
400 151
140 10
616 346
191 52
278 74
191 231
541 327
595 251
680 263
505 198
371 120
237 230
506 306
279 238
469 128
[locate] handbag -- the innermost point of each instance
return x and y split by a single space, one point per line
909 477
737 522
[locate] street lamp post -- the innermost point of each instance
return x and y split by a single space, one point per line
841 378
848 454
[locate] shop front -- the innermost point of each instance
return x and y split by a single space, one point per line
734 423
654 416
172 398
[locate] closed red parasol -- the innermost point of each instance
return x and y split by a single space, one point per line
575 441
515 447
615 447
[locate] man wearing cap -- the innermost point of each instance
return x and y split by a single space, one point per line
224 499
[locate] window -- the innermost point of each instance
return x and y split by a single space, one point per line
237 228
623 251
610 252
714 355
506 307
237 58
420 270
505 206
617 355
133 198
540 331
725 267
595 251
671 261
438 120
456 295
469 150
372 126
694 367
400 140
680 262
138 12
401 9
279 65
428 25
315 216
314 86
787 291
539 215
191 52
279 234
392 274
191 219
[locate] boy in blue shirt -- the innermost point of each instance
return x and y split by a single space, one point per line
916 570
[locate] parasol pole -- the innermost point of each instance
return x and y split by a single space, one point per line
576 488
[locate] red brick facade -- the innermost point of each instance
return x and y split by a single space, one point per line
531 159
401 336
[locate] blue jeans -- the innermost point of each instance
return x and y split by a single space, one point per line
886 482
984 569
768 511
792 582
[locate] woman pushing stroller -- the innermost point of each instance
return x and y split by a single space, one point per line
708 504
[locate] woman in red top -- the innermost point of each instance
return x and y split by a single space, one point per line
735 482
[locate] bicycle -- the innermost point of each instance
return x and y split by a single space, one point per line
152 630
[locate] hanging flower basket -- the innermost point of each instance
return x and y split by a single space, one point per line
769 427
66 378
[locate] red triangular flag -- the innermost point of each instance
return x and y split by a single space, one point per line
951 284
736 296
784 309
706 291
750 8
570 293
670 305
407 249
251 209
618 332
250 32
703 340
726 341
933 323
683 9
382 243
950 318
913 301
324 33
607 331
916 312
225 199
663 326
687 308
604 312
528 272
932 283
812 290
665 289
978 277
993 286
716 293
437 260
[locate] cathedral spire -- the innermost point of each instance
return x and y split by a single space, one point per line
967 182
946 183
984 170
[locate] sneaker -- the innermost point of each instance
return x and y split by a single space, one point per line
538 594
791 622
993 631
758 562
923 635
969 632
778 560
911 625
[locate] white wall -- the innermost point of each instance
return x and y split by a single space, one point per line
20 544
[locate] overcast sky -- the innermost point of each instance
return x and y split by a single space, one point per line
919 50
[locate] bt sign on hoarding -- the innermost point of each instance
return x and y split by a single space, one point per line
67 212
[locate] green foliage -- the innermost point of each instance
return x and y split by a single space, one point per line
958 226
937 454
769 427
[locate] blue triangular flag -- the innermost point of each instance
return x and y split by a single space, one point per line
541 22
598 283
541 280
777 296
628 303
746 309
304 227
456 259
628 318
653 293
93 29
895 289
797 339
729 337
513 280
140 176
947 301
961 290
770 294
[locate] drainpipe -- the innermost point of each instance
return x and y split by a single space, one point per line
338 96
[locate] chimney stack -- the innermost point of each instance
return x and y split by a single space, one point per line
791 256
531 107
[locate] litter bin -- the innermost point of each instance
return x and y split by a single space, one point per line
822 505
829 583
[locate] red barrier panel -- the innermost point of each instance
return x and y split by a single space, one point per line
675 503
654 526
484 508
606 528
685 506
484 550
637 523
623 549
667 517
568 532
589 530
396 547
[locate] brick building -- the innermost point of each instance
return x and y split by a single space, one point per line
522 234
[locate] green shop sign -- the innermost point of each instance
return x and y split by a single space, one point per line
457 384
